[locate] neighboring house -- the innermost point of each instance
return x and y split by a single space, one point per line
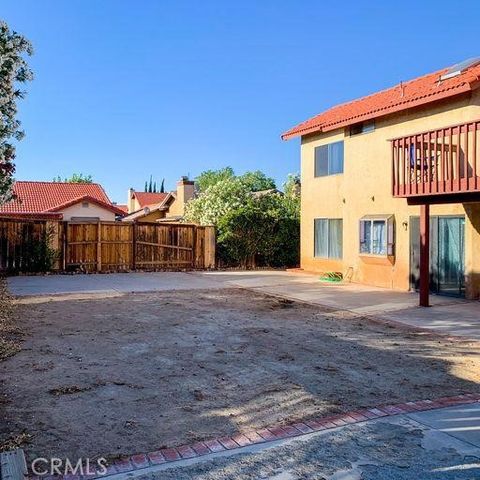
154 207
394 175
122 207
60 200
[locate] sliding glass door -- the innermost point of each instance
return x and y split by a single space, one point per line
451 255
447 254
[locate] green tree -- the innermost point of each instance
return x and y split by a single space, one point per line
292 185
219 199
150 185
252 230
162 186
208 178
265 231
14 70
257 181
75 178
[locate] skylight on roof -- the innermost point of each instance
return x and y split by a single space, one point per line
458 68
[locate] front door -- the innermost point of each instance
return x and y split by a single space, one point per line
447 254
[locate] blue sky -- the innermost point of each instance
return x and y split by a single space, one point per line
125 89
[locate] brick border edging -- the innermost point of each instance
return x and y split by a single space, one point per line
269 434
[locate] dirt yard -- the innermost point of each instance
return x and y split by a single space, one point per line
137 372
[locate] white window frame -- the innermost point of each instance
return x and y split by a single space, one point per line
328 246
390 235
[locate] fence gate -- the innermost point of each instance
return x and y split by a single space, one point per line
102 246
164 246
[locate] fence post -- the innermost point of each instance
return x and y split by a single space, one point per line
65 246
134 246
209 248
194 247
99 247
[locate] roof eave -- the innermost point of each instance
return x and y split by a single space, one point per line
467 87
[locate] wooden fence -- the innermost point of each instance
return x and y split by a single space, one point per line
104 246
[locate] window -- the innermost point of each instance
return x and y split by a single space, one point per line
377 235
328 237
84 204
329 159
362 127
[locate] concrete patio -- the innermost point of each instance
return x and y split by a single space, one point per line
447 315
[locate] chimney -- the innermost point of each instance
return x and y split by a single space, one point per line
185 191
130 201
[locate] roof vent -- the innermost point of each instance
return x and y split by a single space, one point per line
458 68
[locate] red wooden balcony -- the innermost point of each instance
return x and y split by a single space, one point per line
438 165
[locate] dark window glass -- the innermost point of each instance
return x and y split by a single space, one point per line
362 127
321 161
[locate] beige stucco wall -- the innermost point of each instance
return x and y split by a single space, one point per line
184 193
93 210
152 217
365 189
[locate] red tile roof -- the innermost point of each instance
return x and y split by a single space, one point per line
146 198
122 207
413 93
46 197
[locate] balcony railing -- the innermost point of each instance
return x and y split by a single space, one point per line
443 161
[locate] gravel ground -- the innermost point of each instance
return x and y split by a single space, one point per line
10 344
373 451
10 334
138 372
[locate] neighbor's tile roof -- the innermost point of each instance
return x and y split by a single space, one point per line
413 93
122 207
43 197
147 199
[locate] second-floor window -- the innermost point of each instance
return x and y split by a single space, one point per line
362 127
329 159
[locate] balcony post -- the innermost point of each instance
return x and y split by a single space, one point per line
424 255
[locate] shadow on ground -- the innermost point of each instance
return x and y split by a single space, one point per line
138 372
375 451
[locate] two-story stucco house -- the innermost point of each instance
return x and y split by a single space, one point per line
391 186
